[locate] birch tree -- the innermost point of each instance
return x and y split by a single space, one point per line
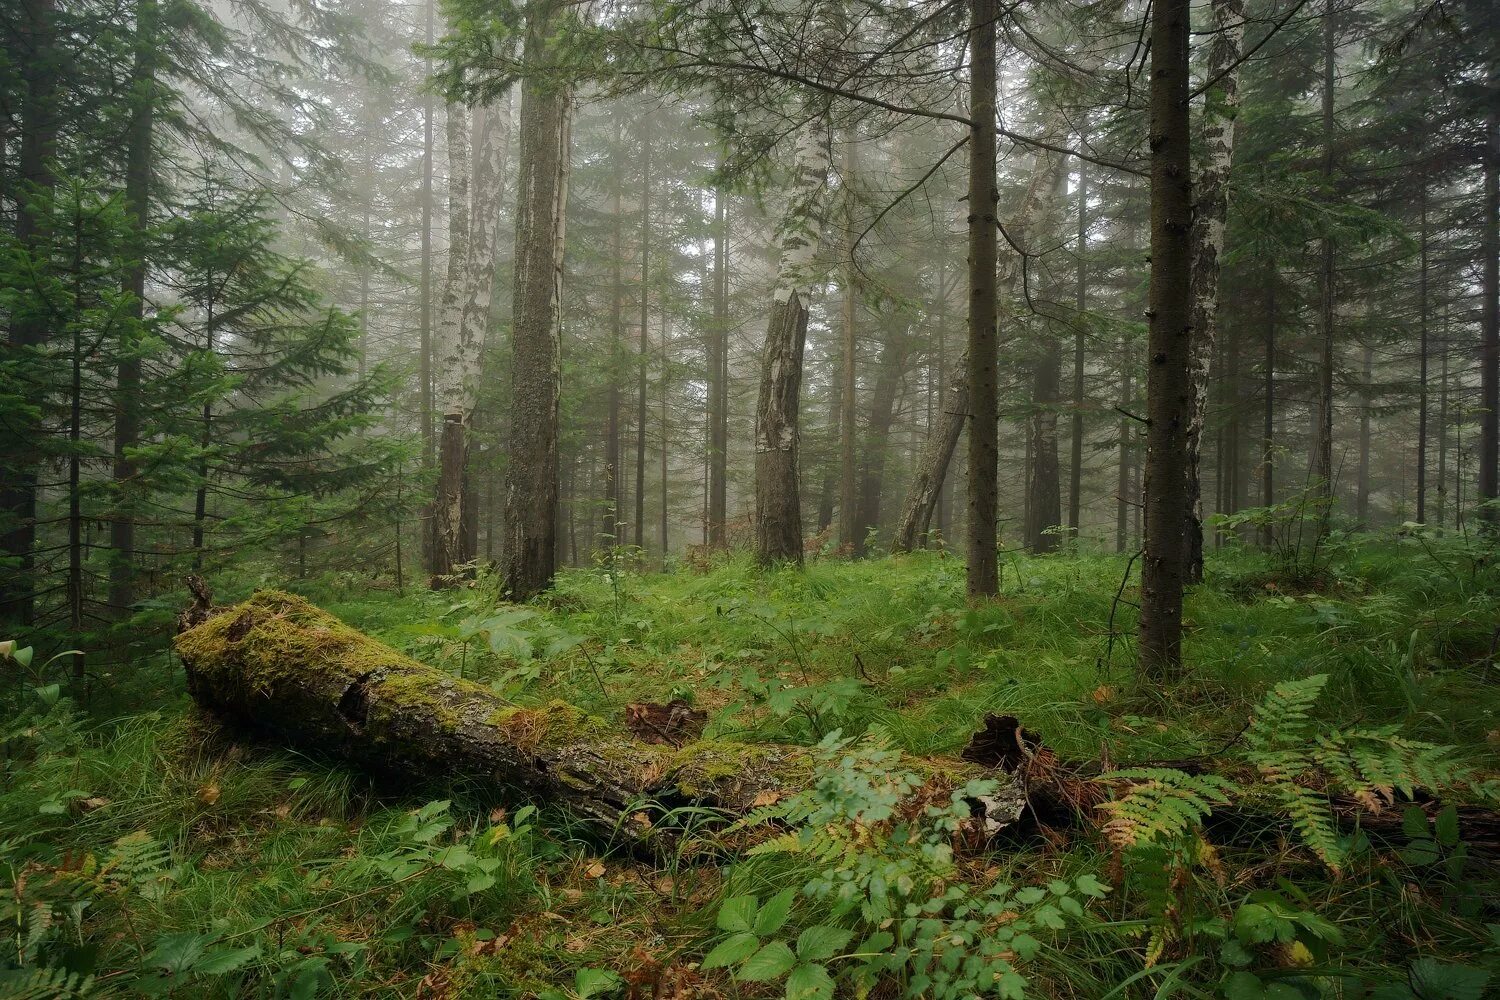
778 509
1210 213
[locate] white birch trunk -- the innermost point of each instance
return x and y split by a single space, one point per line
1210 215
778 511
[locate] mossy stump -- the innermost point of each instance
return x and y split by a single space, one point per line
281 665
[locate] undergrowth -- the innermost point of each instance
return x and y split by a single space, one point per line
143 851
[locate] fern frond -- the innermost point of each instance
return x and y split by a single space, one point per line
46 984
1283 716
1162 804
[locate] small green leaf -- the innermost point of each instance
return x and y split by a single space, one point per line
737 914
818 943
809 981
774 914
771 962
731 951
1442 981
1243 986
1446 826
592 982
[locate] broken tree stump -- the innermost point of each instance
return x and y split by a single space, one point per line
280 665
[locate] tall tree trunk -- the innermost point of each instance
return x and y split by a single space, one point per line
1362 488
529 559
1210 214
851 535
1321 473
666 385
778 510
718 374
138 169
890 369
1123 498
1268 412
75 582
1440 511
424 308
611 530
926 486
1233 423
642 351
1422 352
983 377
1044 497
1080 305
461 364
1169 386
1489 342
35 30
943 493
447 507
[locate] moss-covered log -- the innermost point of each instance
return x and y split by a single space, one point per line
283 666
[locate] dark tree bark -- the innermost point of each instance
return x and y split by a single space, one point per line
1123 497
1321 473
35 32
1489 341
279 665
447 506
1268 411
616 338
138 171
1362 486
530 553
424 306
643 348
851 534
1080 305
1044 495
927 484
718 378
1422 353
891 368
1169 349
983 380
1440 507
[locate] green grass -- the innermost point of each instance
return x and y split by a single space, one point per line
283 867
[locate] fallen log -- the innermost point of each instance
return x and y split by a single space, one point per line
282 666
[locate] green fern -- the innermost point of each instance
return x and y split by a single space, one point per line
1162 804
46 984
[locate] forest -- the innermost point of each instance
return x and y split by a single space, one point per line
737 499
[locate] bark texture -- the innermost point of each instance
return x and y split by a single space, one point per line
38 145
981 360
1210 213
462 343
138 173
282 666
1489 338
926 485
1169 344
778 509
529 558
718 379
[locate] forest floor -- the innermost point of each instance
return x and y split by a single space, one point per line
144 847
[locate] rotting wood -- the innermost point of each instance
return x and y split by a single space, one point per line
284 667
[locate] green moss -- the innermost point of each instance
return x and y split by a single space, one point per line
714 766
275 637
553 725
